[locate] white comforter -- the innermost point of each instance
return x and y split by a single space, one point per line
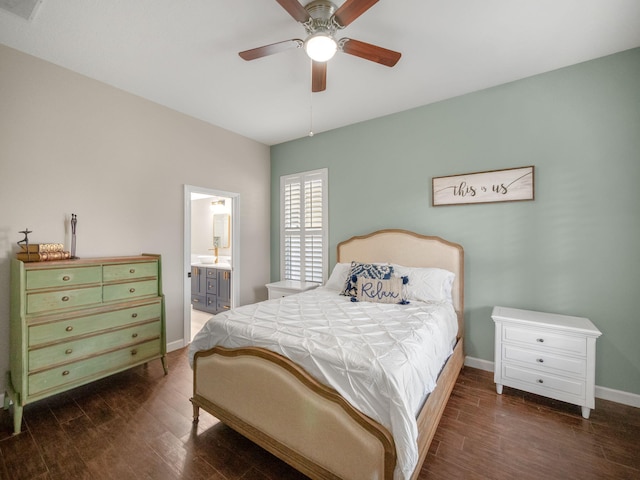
383 358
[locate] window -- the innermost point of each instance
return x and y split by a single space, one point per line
303 226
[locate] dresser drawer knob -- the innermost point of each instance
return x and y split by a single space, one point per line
540 340
134 335
65 373
133 270
131 290
68 351
540 360
69 328
134 315
134 352
540 380
66 278
65 299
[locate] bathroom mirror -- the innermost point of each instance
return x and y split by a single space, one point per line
221 227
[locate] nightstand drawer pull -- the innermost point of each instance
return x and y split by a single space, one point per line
134 335
540 380
134 352
65 373
132 290
68 351
134 315
133 270
69 328
540 340
540 360
65 298
66 278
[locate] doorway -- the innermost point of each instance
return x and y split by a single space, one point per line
211 246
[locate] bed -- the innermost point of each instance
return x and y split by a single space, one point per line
284 408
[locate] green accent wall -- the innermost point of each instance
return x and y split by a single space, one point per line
574 250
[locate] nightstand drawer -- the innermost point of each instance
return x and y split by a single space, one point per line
539 381
124 291
73 327
545 361
63 277
542 338
129 271
78 297
65 352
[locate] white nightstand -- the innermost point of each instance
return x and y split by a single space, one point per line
284 288
546 354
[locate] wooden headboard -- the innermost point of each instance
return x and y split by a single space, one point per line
412 250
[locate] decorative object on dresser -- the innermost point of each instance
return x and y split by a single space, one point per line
75 321
74 225
210 289
39 252
547 354
284 288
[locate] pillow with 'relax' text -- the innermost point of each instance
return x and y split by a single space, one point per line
366 270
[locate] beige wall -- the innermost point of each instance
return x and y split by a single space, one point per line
72 144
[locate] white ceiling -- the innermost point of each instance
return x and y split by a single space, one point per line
184 53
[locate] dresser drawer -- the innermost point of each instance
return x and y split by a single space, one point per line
72 327
544 360
78 297
545 339
84 370
212 285
65 352
129 290
540 382
129 271
198 300
63 277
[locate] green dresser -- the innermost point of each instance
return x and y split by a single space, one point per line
75 321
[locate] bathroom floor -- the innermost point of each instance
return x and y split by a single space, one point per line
198 319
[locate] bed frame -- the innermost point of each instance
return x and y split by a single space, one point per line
276 404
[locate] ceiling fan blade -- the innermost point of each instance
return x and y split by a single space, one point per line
318 76
294 9
352 9
370 52
270 49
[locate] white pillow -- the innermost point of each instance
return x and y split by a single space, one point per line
338 277
427 284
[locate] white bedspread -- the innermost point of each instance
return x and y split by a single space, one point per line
383 358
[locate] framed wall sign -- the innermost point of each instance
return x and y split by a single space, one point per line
508 185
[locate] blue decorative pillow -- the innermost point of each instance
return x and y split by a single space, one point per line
366 270
381 291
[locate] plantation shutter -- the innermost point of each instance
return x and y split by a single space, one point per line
304 226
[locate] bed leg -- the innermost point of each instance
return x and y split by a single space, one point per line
196 412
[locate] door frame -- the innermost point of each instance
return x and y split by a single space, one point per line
235 251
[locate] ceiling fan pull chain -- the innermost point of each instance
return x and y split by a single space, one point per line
311 114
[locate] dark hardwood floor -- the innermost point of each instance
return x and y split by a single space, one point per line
137 425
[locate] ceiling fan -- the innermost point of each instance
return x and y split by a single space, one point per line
321 20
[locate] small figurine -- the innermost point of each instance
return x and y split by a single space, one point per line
25 240
74 222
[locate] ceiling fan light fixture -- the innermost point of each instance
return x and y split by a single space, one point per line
320 47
